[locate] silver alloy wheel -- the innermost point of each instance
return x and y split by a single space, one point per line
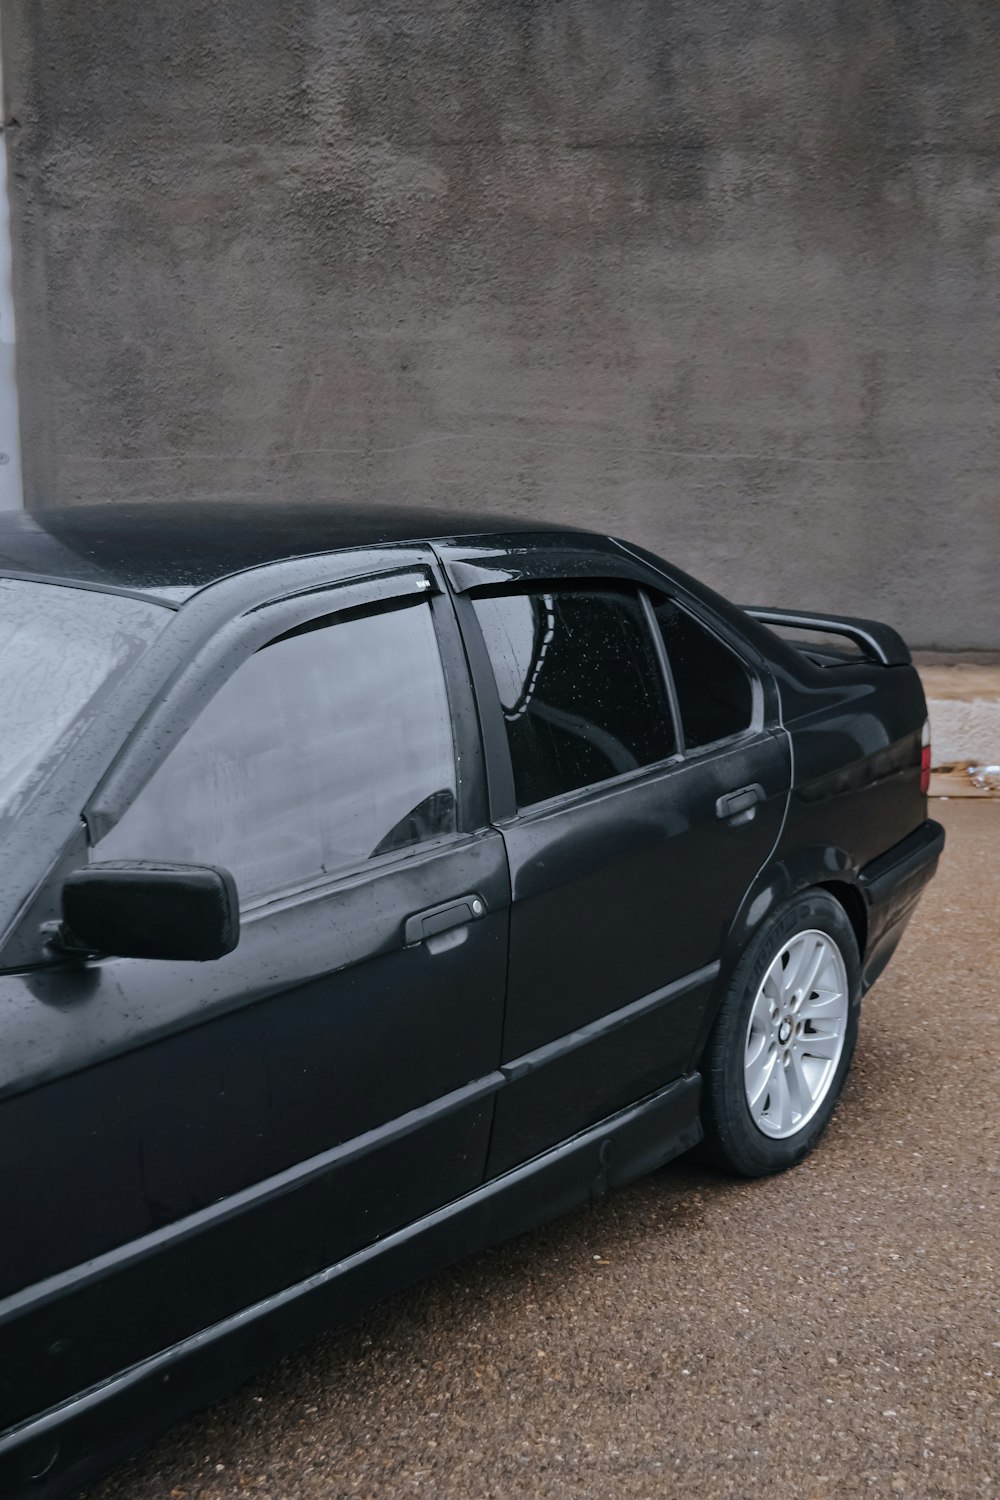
796 1033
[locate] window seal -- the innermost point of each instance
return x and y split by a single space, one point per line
274 902
471 790
497 761
596 788
660 652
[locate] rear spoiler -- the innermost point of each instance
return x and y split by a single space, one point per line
878 641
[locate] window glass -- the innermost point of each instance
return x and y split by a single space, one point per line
581 688
327 747
714 691
62 651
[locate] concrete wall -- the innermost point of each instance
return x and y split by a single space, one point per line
722 277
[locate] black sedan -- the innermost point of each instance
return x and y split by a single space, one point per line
376 884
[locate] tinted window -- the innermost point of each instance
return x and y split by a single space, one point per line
714 691
582 692
325 748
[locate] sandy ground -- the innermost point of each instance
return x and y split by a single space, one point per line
830 1333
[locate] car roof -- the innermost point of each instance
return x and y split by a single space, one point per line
171 550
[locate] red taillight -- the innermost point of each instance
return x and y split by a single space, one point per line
925 756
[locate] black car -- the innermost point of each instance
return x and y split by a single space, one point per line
377 884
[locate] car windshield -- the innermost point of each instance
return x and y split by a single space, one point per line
61 651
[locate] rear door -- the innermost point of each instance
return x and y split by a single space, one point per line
619 724
220 1131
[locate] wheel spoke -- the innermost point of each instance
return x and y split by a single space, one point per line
772 988
757 1077
819 1044
757 1045
809 972
790 970
803 955
821 961
780 1111
760 1016
799 1092
822 1004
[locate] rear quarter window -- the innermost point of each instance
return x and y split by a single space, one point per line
714 689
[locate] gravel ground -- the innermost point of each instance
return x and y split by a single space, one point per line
830 1333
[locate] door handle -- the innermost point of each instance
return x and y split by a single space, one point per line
741 804
435 919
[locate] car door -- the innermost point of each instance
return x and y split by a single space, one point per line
223 1130
628 863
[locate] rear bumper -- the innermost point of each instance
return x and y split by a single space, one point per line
892 886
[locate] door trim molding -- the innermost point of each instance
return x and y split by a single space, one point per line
111 1261
549 1052
291 1178
81 1436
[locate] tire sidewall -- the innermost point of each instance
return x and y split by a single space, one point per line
730 1131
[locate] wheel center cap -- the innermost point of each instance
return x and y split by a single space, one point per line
784 1031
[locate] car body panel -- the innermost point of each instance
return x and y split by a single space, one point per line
56 1452
169 1087
644 858
649 862
223 1156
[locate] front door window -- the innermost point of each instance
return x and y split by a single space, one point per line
328 747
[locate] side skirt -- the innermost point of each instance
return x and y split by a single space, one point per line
53 1454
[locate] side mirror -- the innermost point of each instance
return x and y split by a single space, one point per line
140 909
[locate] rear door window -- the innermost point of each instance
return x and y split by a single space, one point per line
582 691
714 689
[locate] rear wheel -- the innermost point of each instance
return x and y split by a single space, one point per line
783 1039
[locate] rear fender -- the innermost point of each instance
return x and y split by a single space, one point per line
799 870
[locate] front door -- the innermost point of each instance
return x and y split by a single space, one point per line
227 1129
627 867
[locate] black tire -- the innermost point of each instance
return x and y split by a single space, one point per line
733 1140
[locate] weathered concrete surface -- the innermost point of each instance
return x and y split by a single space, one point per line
722 277
828 1334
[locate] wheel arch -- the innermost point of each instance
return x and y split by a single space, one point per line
819 867
853 902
